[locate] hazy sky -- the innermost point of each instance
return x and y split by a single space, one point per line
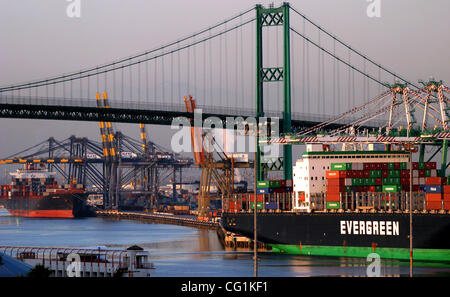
39 40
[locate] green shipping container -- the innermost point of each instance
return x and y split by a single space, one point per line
259 205
403 166
421 166
372 181
262 184
348 189
274 183
390 188
385 181
427 173
378 188
375 173
391 166
333 205
394 173
341 166
356 182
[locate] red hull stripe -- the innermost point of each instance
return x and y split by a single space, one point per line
42 213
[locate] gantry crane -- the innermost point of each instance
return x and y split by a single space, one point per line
219 172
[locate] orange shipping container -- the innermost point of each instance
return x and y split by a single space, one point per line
336 174
335 189
446 189
434 205
446 197
447 205
336 182
433 181
333 197
434 197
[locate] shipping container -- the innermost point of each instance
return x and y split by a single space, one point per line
335 189
259 205
433 189
271 205
335 174
333 205
333 197
434 205
341 166
336 181
265 191
390 188
433 197
433 181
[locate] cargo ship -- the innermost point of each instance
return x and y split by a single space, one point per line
350 204
34 192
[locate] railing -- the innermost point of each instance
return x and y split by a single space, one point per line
133 105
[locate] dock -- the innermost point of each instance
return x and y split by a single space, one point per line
161 218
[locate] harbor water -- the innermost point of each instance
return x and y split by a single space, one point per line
187 252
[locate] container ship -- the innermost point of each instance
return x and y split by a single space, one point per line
350 204
34 192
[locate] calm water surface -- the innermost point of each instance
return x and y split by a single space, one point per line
184 251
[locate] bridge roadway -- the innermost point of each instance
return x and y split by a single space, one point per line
132 112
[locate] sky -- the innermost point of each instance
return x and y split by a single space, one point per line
40 40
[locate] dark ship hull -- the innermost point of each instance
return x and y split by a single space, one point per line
60 205
348 234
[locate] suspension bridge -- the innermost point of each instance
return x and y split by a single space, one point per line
263 62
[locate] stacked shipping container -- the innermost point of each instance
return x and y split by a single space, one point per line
387 178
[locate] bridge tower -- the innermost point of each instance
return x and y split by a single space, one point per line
274 17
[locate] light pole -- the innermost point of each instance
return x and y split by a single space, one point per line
255 200
410 217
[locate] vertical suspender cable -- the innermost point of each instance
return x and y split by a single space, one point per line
139 83
304 69
334 78
122 88
226 67
131 81
323 81
204 72
210 68
194 87
179 72
242 65
188 70
318 73
349 81
146 78
308 92
171 78
220 68
236 57
155 94
163 93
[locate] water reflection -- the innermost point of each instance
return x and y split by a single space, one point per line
184 251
